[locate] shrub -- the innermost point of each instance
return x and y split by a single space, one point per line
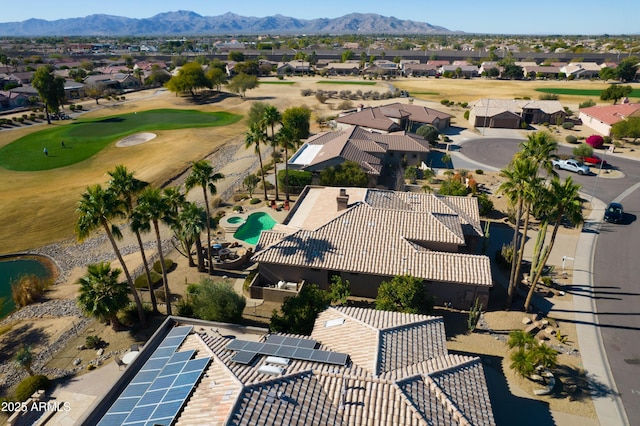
595 141
185 309
268 185
571 139
218 302
298 179
93 342
129 315
549 97
160 295
306 92
28 289
239 197
30 385
141 280
485 205
254 201
607 140
466 114
479 171
237 208
445 102
586 104
78 107
524 125
216 202
583 150
568 125
168 264
504 257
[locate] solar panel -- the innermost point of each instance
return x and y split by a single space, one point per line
113 419
182 356
243 357
269 348
319 356
182 330
140 413
196 365
172 369
144 377
236 345
307 343
162 382
285 351
135 390
124 405
253 347
163 353
302 353
177 394
154 364
186 378
166 410
152 397
171 342
276 339
337 358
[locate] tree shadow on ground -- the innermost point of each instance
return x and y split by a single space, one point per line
509 409
24 334
577 384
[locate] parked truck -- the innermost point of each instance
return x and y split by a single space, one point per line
572 165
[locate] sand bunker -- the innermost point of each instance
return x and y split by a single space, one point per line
136 139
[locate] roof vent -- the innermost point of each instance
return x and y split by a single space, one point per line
342 200
334 322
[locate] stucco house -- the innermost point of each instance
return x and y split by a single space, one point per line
601 118
358 367
511 113
341 68
367 236
394 117
372 151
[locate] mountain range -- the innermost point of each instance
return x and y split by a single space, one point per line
190 23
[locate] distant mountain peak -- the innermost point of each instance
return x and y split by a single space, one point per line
184 22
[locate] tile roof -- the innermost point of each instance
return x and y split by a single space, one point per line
358 145
516 106
401 228
422 385
384 117
611 114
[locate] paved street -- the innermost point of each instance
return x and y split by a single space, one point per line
614 287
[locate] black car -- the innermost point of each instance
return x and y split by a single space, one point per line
614 213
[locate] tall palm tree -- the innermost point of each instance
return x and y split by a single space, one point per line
254 138
202 175
126 186
539 147
102 295
153 208
517 188
272 117
96 208
286 138
566 203
188 227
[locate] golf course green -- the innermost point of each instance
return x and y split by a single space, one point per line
84 138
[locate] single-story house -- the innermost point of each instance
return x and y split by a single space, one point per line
10 100
419 70
541 71
372 151
368 236
394 117
359 366
466 71
293 67
511 113
601 118
342 68
581 70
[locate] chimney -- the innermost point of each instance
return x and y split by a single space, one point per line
359 108
342 199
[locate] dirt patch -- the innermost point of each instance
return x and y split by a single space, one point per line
136 139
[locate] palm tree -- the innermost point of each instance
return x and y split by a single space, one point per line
126 186
202 175
522 363
96 208
253 138
520 339
24 359
543 355
272 117
517 188
102 295
538 147
151 209
286 138
190 223
565 200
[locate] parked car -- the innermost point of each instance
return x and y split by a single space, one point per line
594 159
614 213
571 165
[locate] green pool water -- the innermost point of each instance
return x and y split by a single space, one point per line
235 219
10 270
249 232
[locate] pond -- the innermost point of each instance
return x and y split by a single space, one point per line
11 268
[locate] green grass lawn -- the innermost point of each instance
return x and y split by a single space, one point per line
362 83
582 92
84 138
277 82
411 93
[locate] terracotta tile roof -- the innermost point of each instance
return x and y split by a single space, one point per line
359 145
516 106
611 114
385 117
400 234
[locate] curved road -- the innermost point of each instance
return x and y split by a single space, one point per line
616 272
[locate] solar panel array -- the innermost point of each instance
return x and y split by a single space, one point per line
159 390
284 347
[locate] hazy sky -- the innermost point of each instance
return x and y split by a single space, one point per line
473 16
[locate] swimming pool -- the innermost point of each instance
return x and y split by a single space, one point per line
257 222
235 220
